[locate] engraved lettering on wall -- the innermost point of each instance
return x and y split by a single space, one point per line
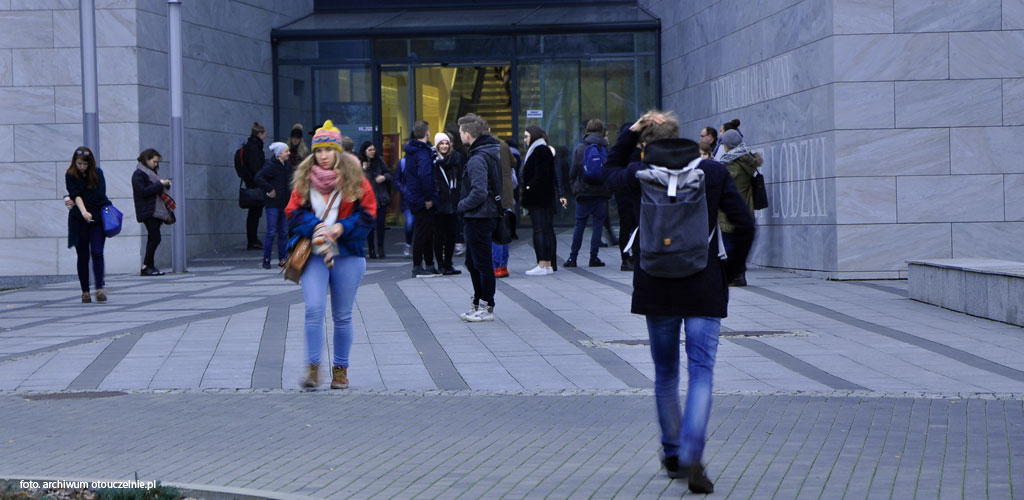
757 83
794 172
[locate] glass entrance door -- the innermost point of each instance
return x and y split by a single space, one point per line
344 96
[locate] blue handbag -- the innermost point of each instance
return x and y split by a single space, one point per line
111 220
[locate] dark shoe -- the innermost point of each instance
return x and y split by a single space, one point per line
312 376
570 262
101 296
450 271
266 263
339 377
420 272
157 272
254 245
698 480
372 253
86 298
627 265
282 262
150 271
603 245
672 467
595 262
740 280
433 271
381 254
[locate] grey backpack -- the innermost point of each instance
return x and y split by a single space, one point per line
672 230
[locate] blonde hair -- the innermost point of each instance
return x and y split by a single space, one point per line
350 176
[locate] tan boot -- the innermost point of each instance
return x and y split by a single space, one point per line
312 377
101 296
86 298
339 378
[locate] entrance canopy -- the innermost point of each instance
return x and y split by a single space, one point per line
477 20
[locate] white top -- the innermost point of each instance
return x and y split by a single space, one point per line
319 204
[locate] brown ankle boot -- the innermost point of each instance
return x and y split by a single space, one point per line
101 296
340 377
312 376
86 298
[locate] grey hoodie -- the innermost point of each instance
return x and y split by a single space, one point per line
481 180
580 187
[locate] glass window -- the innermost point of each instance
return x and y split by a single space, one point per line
294 99
343 96
576 45
486 48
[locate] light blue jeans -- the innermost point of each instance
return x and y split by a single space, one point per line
343 280
683 435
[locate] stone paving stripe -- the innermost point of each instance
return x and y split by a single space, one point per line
797 365
93 375
270 360
888 289
628 289
292 297
610 361
929 345
440 367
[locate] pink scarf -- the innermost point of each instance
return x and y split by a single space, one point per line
324 180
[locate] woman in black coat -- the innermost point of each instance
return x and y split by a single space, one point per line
150 210
380 177
275 180
539 198
87 189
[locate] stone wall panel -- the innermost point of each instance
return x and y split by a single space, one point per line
36 256
865 200
56 142
1013 102
976 103
1013 197
1013 15
995 240
887 247
947 15
951 198
988 150
987 54
865 105
886 152
26 105
906 57
41 67
26 29
863 16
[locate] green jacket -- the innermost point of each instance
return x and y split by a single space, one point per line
742 171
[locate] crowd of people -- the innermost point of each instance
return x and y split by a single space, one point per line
457 188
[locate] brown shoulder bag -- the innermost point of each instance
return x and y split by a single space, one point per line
300 253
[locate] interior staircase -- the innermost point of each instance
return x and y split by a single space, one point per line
483 90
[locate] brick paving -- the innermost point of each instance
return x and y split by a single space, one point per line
858 392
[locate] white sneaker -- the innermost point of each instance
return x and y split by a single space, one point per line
481 314
408 250
540 271
460 248
466 315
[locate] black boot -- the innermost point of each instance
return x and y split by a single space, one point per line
372 251
698 480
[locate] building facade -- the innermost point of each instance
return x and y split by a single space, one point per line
891 129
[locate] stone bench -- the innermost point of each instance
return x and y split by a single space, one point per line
987 288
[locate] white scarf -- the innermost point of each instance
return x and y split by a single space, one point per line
320 206
534 145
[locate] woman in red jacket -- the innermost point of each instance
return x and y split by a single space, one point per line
333 204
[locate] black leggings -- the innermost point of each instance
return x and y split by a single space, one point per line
90 244
543 221
444 238
152 240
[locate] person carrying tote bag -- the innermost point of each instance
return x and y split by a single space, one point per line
330 182
152 205
87 189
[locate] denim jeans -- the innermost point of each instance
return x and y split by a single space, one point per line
478 257
499 255
90 245
277 227
408 226
682 434
586 208
343 280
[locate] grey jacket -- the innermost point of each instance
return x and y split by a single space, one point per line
580 187
481 180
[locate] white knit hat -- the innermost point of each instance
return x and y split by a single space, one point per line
441 136
277 147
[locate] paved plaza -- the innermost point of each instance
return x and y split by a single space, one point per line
823 389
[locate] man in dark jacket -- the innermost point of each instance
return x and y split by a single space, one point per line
480 209
421 192
274 179
699 301
591 196
252 157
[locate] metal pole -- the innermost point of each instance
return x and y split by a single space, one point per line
90 93
177 134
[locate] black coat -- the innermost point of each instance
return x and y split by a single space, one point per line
94 200
481 180
448 192
382 191
275 176
540 185
252 156
144 193
707 292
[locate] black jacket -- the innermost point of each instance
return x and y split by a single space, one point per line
580 187
481 180
275 176
539 183
707 292
448 182
94 200
419 175
144 193
382 191
252 156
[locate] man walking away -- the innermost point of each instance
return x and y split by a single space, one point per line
480 208
591 194
697 301
422 195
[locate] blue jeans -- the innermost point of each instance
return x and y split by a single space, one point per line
344 280
91 239
683 435
277 227
408 226
586 208
499 255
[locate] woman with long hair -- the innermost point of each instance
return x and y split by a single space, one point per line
150 209
448 165
540 194
379 175
297 148
332 203
88 190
